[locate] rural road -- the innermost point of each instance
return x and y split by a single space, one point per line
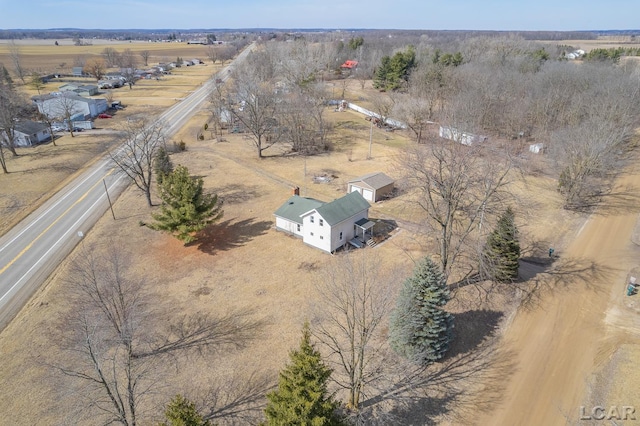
32 250
565 337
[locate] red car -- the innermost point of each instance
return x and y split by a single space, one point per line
104 116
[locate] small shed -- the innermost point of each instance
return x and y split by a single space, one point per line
536 148
373 186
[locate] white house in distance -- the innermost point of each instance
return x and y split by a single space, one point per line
27 133
373 187
53 106
326 226
464 138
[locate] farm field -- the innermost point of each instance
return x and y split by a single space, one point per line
243 264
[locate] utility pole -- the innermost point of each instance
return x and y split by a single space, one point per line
370 139
109 199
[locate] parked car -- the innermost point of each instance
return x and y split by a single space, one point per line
77 129
103 115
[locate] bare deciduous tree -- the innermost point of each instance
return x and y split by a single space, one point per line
95 67
111 56
12 107
456 186
135 157
118 342
303 118
16 58
257 109
145 55
355 297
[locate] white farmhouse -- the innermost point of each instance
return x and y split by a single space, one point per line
326 226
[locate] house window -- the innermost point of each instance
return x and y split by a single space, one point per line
321 222
298 227
321 237
311 233
341 236
311 219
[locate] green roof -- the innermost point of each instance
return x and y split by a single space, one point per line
295 206
342 208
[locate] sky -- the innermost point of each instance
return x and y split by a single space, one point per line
504 15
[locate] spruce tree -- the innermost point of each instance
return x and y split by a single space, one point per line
162 164
185 209
502 251
302 397
420 329
182 412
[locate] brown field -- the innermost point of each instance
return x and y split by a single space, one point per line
243 263
48 58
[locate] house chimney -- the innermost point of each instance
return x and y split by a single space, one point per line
296 190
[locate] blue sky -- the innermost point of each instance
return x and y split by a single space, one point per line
389 14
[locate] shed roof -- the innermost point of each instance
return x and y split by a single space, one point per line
30 127
375 180
296 206
343 208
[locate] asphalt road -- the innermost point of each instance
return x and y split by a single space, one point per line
34 248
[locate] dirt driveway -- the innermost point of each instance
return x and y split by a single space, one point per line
567 341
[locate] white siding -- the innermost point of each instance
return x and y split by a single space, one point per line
316 235
347 228
288 226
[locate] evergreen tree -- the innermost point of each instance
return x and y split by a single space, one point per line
162 164
182 412
394 71
420 329
302 397
502 251
185 208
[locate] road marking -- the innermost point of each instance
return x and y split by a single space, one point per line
65 196
28 246
72 227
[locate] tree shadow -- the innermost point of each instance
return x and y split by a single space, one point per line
238 400
472 328
228 234
236 193
456 388
622 201
565 275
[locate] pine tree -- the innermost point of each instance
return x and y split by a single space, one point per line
185 209
182 412
162 164
501 254
420 329
302 397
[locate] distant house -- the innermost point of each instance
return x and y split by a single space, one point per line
536 148
326 226
373 186
54 106
29 133
464 138
77 71
349 65
80 88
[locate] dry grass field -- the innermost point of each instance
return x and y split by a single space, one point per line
241 263
48 58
